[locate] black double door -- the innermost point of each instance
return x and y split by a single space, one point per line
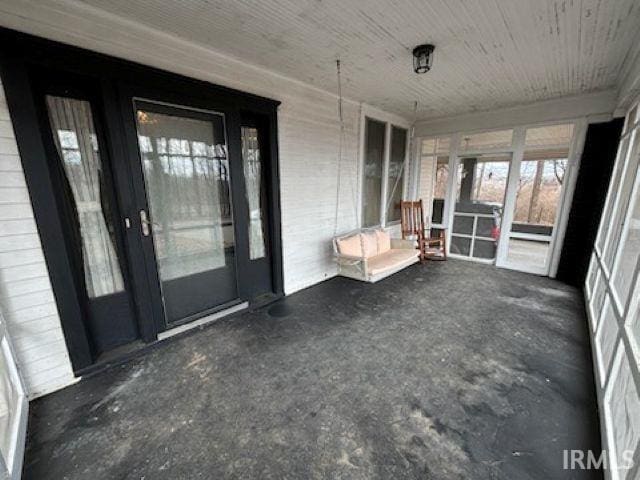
166 199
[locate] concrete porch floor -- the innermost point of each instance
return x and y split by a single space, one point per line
443 371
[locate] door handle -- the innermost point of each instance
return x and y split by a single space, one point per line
145 224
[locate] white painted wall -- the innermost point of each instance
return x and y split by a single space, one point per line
309 136
26 297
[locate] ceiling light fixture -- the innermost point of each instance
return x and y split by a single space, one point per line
423 58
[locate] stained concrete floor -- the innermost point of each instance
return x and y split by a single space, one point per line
449 370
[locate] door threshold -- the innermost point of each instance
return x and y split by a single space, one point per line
136 348
203 321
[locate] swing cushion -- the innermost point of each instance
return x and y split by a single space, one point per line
384 241
369 244
361 245
350 246
371 255
391 260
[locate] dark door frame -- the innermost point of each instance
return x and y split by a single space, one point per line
120 304
21 55
173 103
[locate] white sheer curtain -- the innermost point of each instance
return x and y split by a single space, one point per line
75 138
186 172
253 178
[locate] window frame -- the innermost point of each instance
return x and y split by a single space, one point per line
389 120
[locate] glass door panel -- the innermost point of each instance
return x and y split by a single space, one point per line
76 141
537 201
477 217
256 161
90 212
256 191
537 198
187 179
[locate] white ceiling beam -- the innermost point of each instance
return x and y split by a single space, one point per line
597 106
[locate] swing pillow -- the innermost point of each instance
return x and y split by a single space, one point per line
365 244
384 241
369 244
350 246
361 245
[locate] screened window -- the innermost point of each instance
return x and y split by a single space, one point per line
483 179
542 173
494 140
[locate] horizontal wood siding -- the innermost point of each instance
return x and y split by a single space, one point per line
26 297
309 141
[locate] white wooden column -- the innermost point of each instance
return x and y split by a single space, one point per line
566 197
510 195
385 173
452 194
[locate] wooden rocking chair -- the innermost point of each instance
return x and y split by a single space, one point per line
412 224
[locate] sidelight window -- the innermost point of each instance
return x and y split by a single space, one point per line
76 141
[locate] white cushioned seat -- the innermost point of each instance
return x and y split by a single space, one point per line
391 259
371 254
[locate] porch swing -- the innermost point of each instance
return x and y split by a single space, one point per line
367 254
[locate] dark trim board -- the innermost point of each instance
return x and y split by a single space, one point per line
596 168
21 56
34 161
